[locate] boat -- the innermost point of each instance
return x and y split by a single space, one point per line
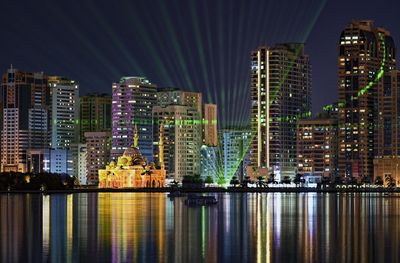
199 200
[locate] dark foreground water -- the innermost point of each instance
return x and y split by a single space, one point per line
149 227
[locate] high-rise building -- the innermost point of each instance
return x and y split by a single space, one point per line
181 139
317 147
280 95
61 161
64 112
210 163
365 53
387 130
81 163
132 101
233 150
38 160
174 96
49 160
26 102
210 133
98 154
95 114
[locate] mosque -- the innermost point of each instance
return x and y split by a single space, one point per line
131 169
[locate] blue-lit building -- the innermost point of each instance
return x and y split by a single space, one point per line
50 161
234 150
209 162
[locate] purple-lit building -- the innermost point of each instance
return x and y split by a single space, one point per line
133 99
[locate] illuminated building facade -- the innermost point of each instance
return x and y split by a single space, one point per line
209 162
280 95
26 103
174 96
81 163
132 101
61 161
50 160
210 132
131 169
38 160
365 52
317 147
97 154
182 139
94 114
64 112
387 133
234 146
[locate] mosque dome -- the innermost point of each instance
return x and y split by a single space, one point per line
135 154
132 152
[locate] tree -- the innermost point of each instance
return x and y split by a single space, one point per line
390 182
209 180
286 180
260 181
297 179
174 183
271 179
325 180
378 181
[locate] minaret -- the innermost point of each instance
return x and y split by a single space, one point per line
135 137
161 148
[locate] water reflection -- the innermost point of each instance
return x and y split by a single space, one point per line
149 227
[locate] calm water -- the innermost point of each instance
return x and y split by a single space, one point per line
149 227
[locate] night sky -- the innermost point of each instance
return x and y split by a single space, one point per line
201 45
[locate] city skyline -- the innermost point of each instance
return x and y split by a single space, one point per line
200 131
102 53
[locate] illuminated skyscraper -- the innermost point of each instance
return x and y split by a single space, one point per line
133 99
365 53
234 145
95 114
280 95
181 138
98 154
64 112
81 163
210 133
174 96
26 102
387 128
180 113
317 147
209 162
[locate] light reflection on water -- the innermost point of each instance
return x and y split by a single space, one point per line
149 227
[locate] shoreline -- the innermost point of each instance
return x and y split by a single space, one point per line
208 190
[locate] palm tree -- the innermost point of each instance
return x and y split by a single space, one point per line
271 179
286 180
390 182
260 181
325 180
378 181
297 179
174 183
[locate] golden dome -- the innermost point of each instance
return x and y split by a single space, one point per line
135 155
